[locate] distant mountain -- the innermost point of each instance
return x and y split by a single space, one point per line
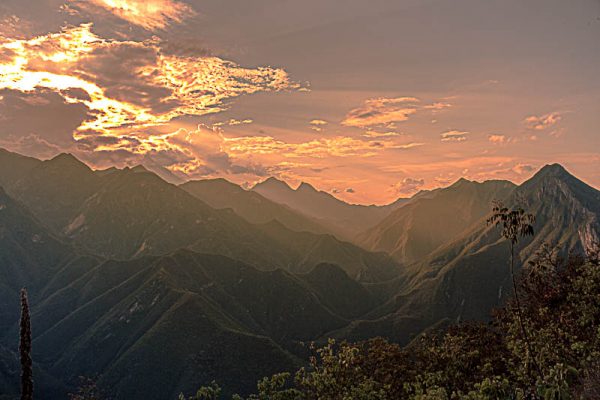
126 271
469 276
253 207
14 166
201 317
433 219
165 174
347 220
132 212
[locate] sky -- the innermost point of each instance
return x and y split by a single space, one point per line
367 100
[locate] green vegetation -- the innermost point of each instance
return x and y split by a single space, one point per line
560 303
154 292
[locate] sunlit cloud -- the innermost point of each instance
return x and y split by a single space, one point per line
234 122
381 111
454 136
498 139
375 134
127 86
437 106
543 122
340 146
318 125
148 14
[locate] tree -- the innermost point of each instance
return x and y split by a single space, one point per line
25 350
516 224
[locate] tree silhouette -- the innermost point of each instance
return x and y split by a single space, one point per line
516 224
25 350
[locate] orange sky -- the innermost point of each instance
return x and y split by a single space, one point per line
369 102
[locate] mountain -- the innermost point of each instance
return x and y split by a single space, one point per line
132 212
347 220
53 189
202 317
433 219
469 276
14 166
30 256
253 207
165 174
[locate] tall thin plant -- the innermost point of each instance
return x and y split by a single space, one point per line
25 349
516 224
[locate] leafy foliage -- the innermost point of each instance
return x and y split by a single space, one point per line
472 361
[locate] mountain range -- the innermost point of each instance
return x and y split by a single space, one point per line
157 289
346 220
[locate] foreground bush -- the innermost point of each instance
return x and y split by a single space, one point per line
560 308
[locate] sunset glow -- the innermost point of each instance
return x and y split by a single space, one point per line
137 83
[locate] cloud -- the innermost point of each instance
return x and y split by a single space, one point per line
437 106
318 125
381 112
148 14
126 88
31 145
498 139
340 146
543 122
25 114
454 136
523 168
194 153
408 186
374 134
234 122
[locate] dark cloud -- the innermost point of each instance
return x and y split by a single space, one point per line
32 145
44 114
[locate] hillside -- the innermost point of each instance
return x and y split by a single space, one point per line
202 317
433 219
469 276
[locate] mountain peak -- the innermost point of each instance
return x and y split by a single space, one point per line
65 157
551 171
67 160
461 182
139 168
306 187
272 182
